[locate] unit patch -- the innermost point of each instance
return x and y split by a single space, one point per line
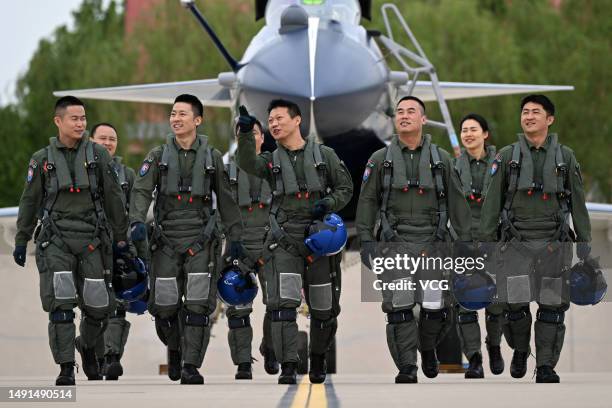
30 174
144 169
368 171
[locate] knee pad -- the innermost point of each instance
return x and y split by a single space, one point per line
196 319
465 318
513 316
238 322
441 314
283 315
400 317
550 316
61 316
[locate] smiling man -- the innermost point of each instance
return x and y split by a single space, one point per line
72 193
413 190
535 185
184 173
309 181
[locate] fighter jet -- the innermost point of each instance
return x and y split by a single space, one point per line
317 54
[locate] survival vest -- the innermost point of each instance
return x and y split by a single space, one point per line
520 178
431 175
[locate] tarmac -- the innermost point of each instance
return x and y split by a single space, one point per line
365 369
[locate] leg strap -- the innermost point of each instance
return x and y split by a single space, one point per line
239 322
465 318
283 315
513 316
196 319
550 316
61 316
400 317
441 314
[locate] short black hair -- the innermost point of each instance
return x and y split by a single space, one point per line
292 107
97 125
65 101
474 116
411 98
540 99
196 105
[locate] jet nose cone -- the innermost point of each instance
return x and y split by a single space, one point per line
348 81
320 68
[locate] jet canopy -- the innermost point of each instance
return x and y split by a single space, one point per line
344 11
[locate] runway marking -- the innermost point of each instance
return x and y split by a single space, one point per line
309 395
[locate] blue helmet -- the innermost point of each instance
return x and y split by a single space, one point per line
327 237
130 279
587 283
137 307
475 291
234 288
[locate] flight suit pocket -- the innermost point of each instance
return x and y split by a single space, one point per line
198 286
402 296
550 291
95 293
519 289
63 285
166 292
291 286
320 296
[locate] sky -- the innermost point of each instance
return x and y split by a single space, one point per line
23 23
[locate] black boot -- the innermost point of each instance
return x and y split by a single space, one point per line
429 363
546 374
288 375
88 360
174 364
317 368
66 375
270 363
244 372
407 375
101 366
496 361
113 367
475 368
518 366
191 375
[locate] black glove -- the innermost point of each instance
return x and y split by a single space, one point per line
367 252
321 207
138 232
583 250
245 121
236 250
19 254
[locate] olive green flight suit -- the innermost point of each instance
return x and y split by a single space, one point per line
253 196
533 256
475 177
413 217
75 195
185 244
116 333
299 178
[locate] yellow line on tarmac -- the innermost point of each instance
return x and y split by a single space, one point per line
309 395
